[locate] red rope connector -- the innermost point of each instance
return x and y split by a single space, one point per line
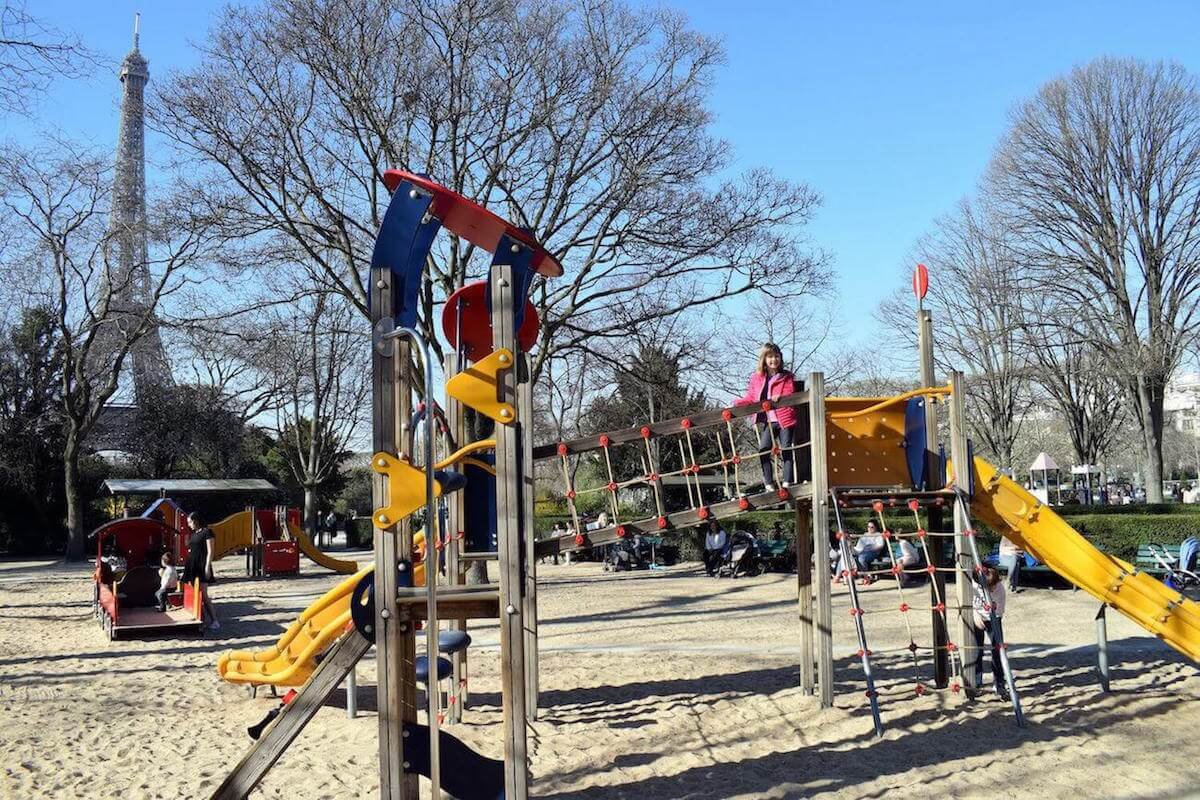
726 414
904 606
877 506
869 694
969 532
784 494
645 431
913 504
912 647
954 687
653 476
743 504
663 524
620 531
702 512
856 612
952 647
766 406
940 608
562 448
570 494
887 535
737 459
920 533
604 440
896 570
612 486
695 469
920 688
860 653
579 539
685 423
841 535
931 569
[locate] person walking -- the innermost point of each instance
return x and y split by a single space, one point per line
198 566
776 427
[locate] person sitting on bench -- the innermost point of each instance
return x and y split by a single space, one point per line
715 542
168 580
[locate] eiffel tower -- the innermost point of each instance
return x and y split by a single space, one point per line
128 276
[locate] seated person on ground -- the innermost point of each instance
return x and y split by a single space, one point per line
869 546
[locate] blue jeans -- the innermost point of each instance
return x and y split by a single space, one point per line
997 667
1013 564
784 437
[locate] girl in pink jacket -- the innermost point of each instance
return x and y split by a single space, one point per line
770 382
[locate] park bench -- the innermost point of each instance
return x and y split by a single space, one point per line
1146 562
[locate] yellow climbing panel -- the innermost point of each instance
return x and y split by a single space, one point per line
478 386
406 488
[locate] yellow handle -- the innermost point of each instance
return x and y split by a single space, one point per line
939 391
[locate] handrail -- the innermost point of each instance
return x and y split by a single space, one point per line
466 450
938 391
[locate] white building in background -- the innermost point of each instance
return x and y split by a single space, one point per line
1181 403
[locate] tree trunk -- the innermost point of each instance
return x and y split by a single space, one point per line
1150 398
75 533
310 513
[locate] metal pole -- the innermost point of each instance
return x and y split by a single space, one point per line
823 622
1102 648
352 693
937 583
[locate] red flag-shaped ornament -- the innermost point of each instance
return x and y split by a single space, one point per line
920 281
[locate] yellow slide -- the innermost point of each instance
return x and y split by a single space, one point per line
235 532
316 556
1029 524
293 658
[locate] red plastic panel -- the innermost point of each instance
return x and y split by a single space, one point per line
477 323
281 558
472 221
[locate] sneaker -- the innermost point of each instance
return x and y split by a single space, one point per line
785 484
769 487
1001 691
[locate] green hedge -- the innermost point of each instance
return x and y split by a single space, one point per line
1121 535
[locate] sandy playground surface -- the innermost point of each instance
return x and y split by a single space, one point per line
655 685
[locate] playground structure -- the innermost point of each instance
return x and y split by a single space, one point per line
128 553
875 453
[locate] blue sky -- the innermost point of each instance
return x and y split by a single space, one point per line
889 110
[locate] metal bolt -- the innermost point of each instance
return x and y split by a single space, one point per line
412 193
381 462
406 764
403 628
383 519
510 609
504 282
380 284
404 734
368 628
516 248
383 612
402 566
504 412
503 359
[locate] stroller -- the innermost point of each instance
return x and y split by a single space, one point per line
624 555
743 556
1179 572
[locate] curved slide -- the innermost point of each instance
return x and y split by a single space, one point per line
1029 524
317 556
294 657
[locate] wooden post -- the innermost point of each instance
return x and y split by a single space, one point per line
962 551
528 498
804 565
455 523
937 586
510 547
395 643
820 536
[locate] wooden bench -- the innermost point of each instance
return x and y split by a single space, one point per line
1146 562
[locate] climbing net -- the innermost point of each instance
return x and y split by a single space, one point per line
708 444
908 600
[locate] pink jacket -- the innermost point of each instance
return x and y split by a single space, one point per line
782 383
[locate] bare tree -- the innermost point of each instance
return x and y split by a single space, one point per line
59 199
1075 375
588 122
32 54
323 373
973 294
1100 175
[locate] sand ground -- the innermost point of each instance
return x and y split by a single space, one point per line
655 685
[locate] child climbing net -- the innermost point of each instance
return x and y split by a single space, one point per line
908 601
